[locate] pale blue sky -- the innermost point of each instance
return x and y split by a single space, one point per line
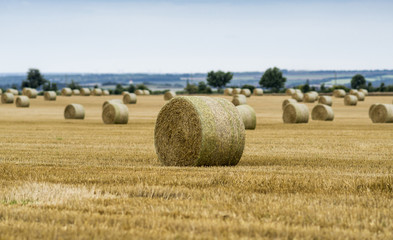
194 36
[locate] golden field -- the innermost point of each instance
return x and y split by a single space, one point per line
68 179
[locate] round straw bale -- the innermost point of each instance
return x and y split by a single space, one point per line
66 92
371 109
85 91
327 100
298 96
350 100
124 92
97 92
22 101
339 93
248 116
50 95
246 92
228 91
118 101
105 92
76 92
129 98
322 112
115 113
236 91
139 92
314 92
239 99
146 92
290 91
258 92
382 113
31 93
169 95
360 96
365 91
199 131
24 91
286 102
1 91
295 113
7 98
74 111
13 91
353 91
310 97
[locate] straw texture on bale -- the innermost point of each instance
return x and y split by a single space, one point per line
290 91
353 91
339 93
74 111
246 92
382 113
295 113
7 98
199 131
365 91
24 91
22 101
258 92
1 91
76 92
169 95
50 95
286 102
66 92
146 92
298 96
239 99
31 93
327 100
115 113
350 100
105 93
371 109
322 112
248 116
236 91
310 97
85 91
228 91
97 92
124 92
129 98
118 101
139 92
360 96
13 91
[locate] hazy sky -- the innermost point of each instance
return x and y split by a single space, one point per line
194 36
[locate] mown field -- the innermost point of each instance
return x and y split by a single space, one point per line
69 179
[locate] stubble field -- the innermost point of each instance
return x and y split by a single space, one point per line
67 179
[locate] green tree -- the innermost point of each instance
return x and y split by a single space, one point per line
382 87
322 87
119 89
191 88
218 79
131 88
358 81
34 79
306 87
74 85
272 78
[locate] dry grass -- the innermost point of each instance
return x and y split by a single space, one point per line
72 179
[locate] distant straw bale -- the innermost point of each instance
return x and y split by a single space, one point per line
310 97
353 91
76 92
169 95
97 92
118 101
295 113
129 98
115 113
124 92
236 91
146 92
360 96
246 92
258 92
85 91
24 91
382 113
290 91
105 92
22 101
74 111
327 100
228 91
7 98
139 92
339 93
13 91
239 99
322 112
248 116
286 102
350 100
298 96
50 95
66 92
371 109
364 91
31 93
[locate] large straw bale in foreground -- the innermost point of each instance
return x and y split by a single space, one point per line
66 92
290 91
298 96
228 91
76 92
97 92
13 91
139 92
295 113
115 113
339 93
169 95
258 92
22 101
236 91
322 112
50 95
371 109
382 113
146 92
310 97
246 92
350 100
286 102
360 96
74 111
199 131
106 92
31 93
129 98
327 100
239 99
118 101
85 91
364 91
7 98
248 116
